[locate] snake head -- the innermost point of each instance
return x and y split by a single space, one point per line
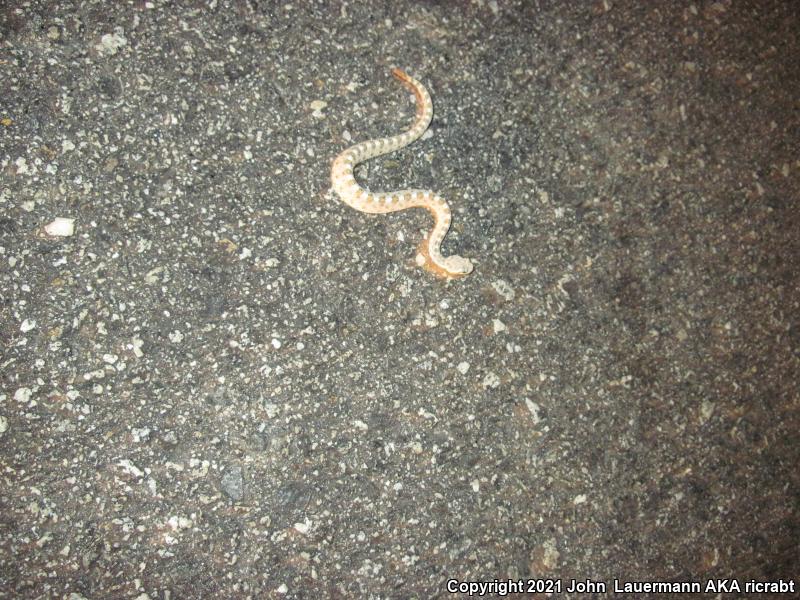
457 266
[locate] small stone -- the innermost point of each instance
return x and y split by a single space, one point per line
550 555
706 410
22 166
136 346
463 367
533 408
140 434
176 523
23 394
504 289
110 43
153 276
491 380
304 527
130 468
60 227
318 106
232 483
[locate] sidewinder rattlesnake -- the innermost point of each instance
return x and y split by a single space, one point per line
352 194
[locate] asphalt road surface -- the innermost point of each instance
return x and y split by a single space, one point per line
218 381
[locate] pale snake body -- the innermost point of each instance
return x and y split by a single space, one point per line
352 194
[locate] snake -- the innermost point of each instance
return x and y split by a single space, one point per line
351 193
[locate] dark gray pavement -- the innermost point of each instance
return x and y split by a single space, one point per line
226 384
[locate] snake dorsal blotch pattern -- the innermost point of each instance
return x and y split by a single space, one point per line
352 194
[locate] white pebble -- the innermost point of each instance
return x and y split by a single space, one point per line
60 227
534 410
22 166
504 289
23 394
110 43
130 468
318 106
303 527
177 523
491 380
